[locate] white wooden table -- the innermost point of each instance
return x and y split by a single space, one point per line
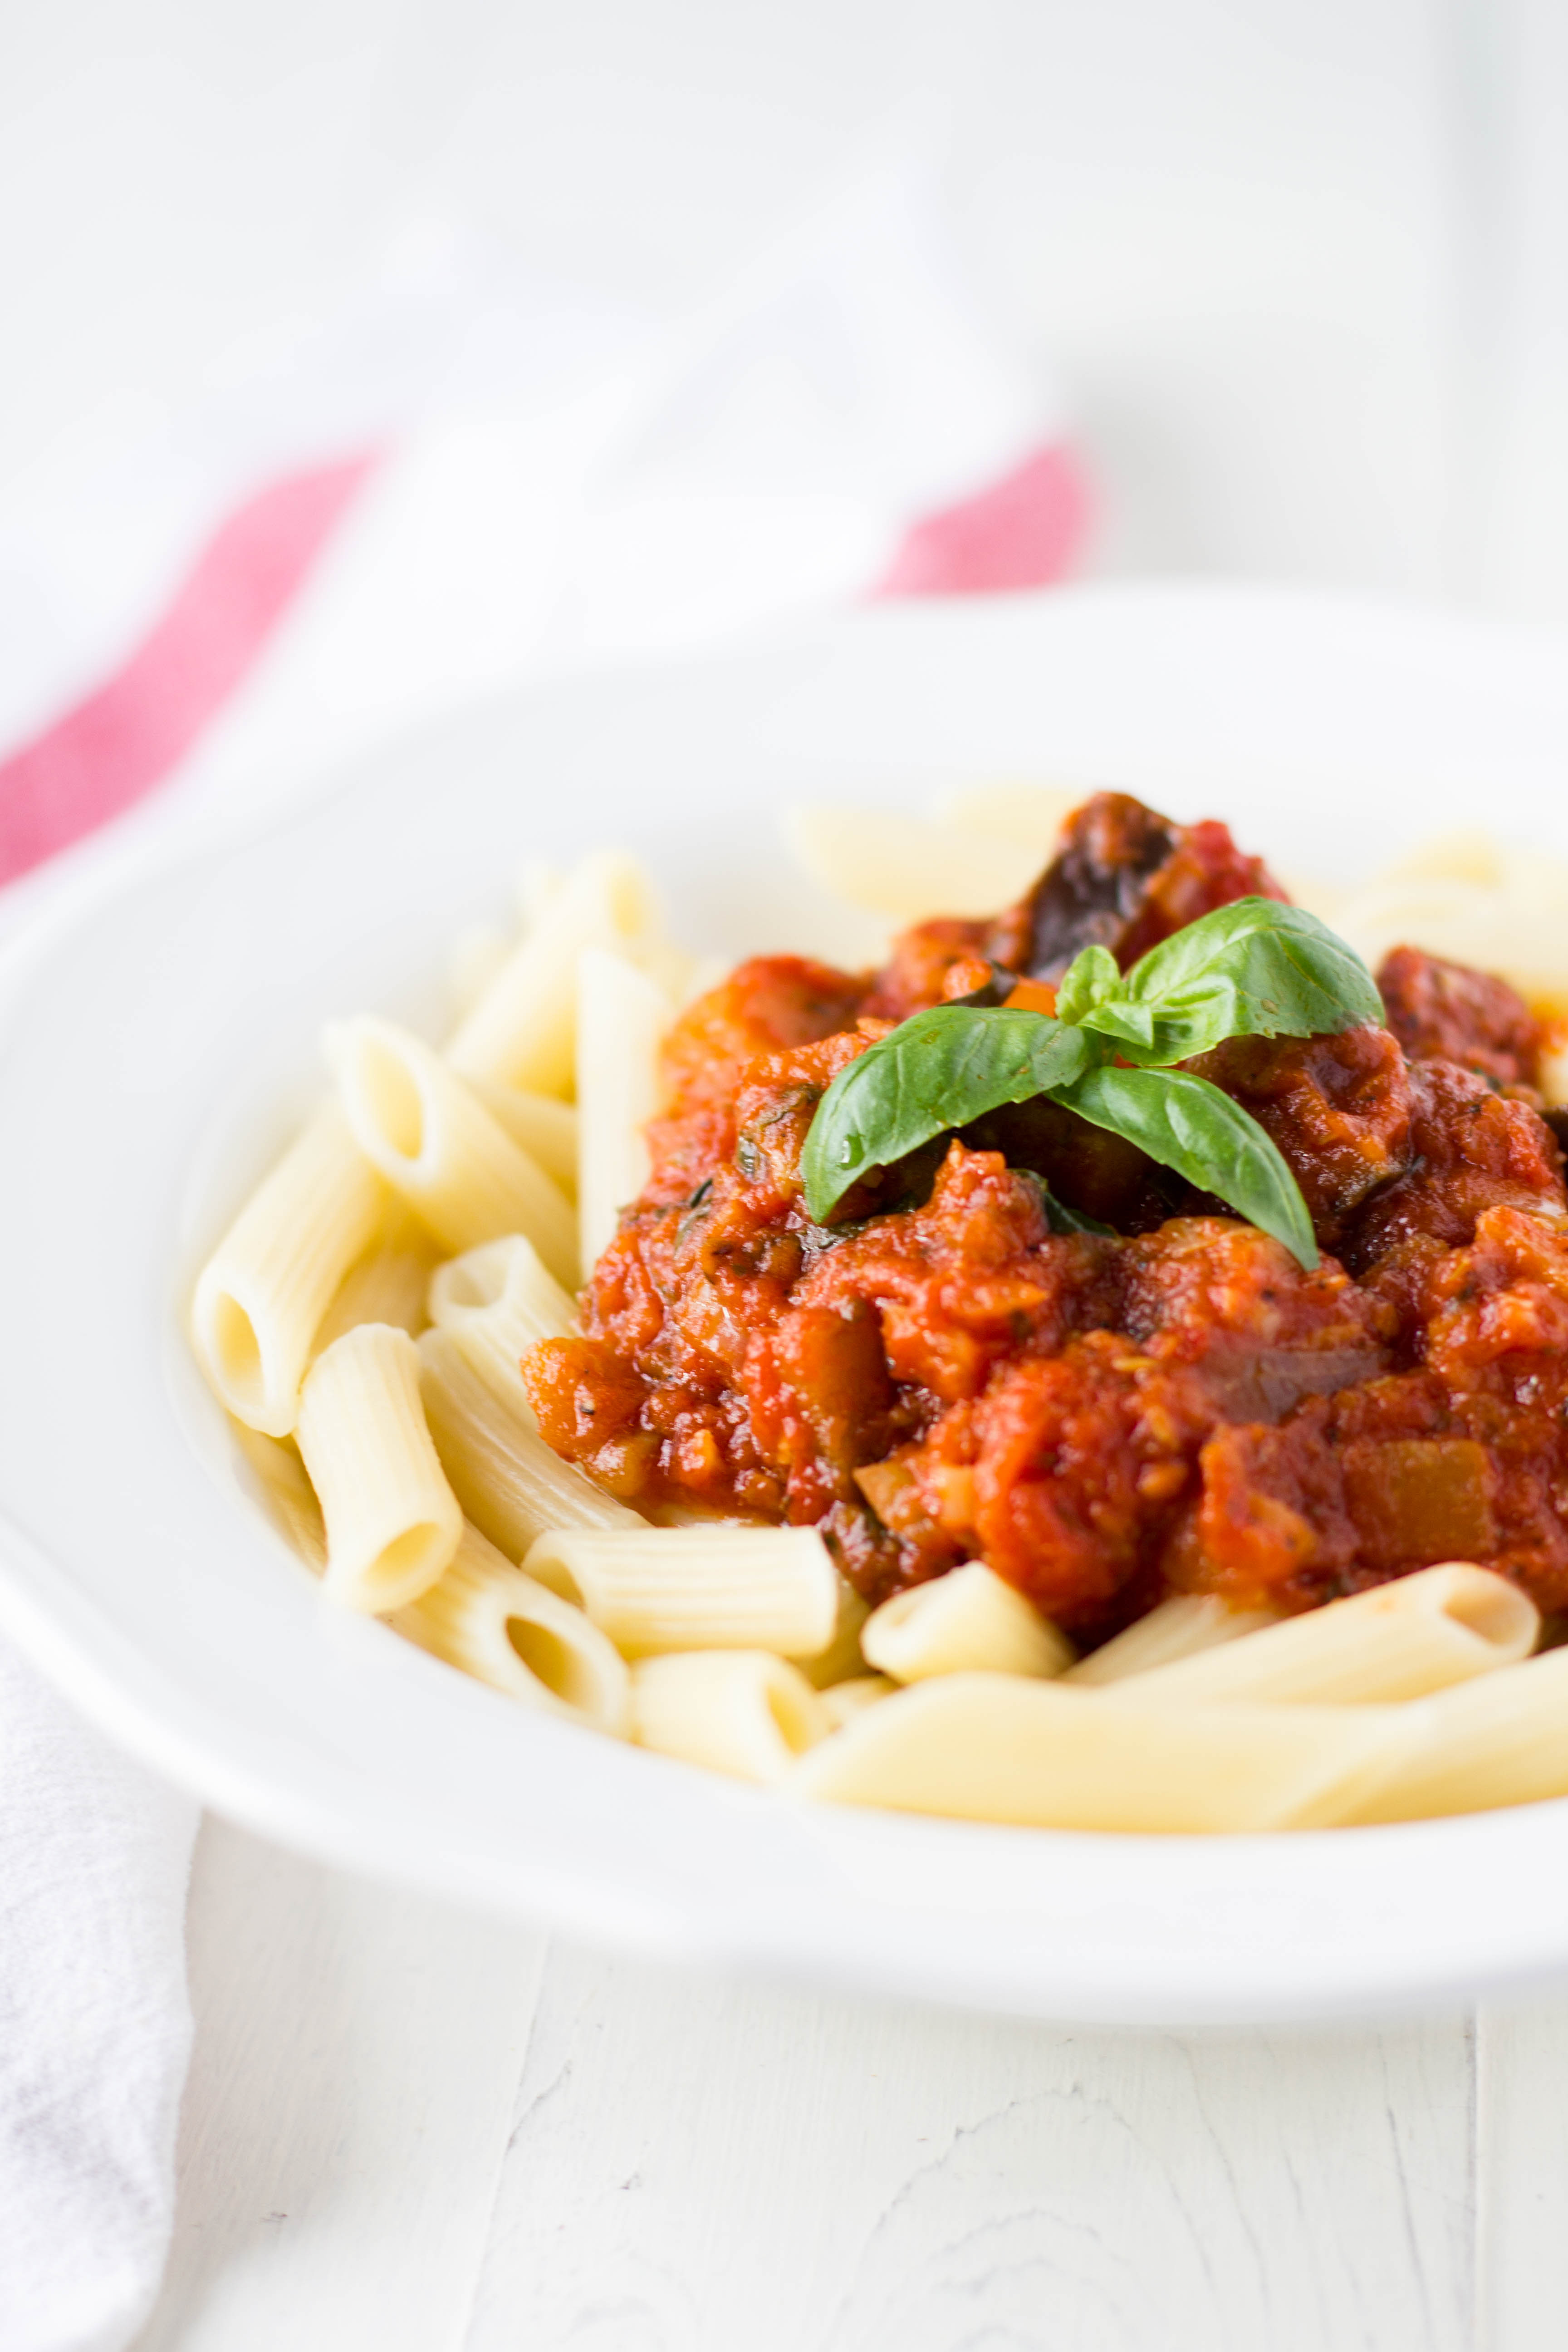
409 2130
1302 265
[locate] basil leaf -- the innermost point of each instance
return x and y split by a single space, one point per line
1092 976
1254 968
1189 1126
1062 1219
936 1071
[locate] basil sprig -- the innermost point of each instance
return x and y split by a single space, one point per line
1254 968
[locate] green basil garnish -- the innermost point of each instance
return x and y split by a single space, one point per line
1188 1125
1252 969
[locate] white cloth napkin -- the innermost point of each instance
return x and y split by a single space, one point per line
95 2027
471 479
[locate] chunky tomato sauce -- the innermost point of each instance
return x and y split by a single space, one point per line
1104 1419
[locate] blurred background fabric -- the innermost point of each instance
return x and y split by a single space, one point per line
475 474
1298 260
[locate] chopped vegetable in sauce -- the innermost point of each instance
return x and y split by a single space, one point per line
1029 1341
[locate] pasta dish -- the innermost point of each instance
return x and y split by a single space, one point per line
1106 1367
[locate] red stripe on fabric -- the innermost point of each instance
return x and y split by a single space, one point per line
121 739
1022 532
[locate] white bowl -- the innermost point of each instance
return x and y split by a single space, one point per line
156 1041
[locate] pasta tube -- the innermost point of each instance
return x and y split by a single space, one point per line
388 1285
508 1482
968 1619
286 1494
1031 815
485 1617
429 1136
1182 1628
546 1130
263 1292
495 1302
842 1658
843 1701
654 1589
1502 1740
392 1522
908 867
1007 1748
621 1020
521 1030
1438 1626
737 1711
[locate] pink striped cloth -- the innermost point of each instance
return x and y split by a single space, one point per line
840 426
470 481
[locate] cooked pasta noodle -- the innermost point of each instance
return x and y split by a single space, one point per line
842 1659
968 1619
1400 1641
286 1494
432 1138
841 1702
388 1285
621 1018
510 1484
1180 1628
1007 1748
485 1617
522 1030
1502 1740
905 866
391 1520
496 1301
546 1130
653 1590
1032 815
261 1295
739 1711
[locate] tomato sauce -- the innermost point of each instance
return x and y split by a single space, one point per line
1104 1418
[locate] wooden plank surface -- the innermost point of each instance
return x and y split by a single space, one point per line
1521 2169
696 2167
356 2054
411 2131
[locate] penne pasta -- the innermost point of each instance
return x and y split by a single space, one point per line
966 1620
739 1711
1399 1640
388 1285
451 1160
507 1479
622 1018
546 1130
1502 1740
1470 900
906 866
659 1590
1182 1628
495 1302
842 1702
488 1619
1006 1748
522 1032
286 1495
473 960
1032 815
262 1293
842 1659
392 1521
